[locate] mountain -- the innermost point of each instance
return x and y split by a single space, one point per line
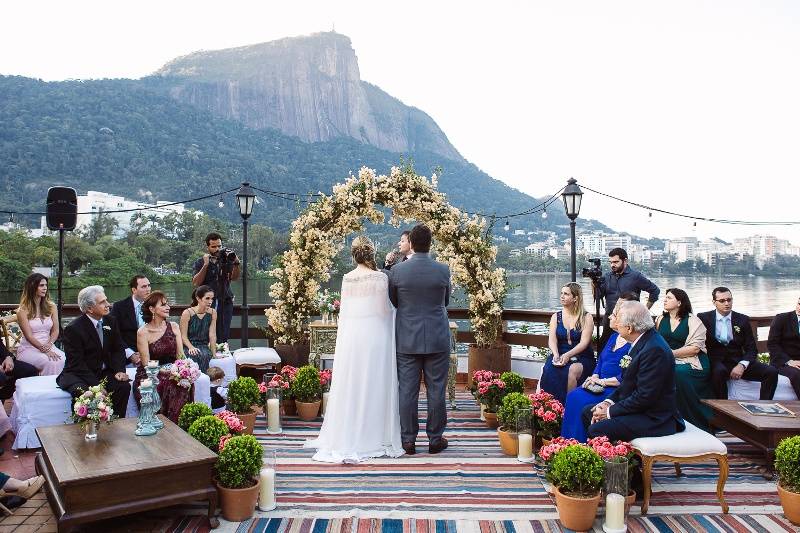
309 87
203 125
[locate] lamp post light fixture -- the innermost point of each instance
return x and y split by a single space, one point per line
572 205
245 197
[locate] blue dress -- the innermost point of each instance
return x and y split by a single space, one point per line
554 378
607 367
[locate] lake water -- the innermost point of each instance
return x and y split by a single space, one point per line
755 296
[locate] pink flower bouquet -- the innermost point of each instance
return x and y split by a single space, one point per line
93 405
325 377
184 372
234 423
547 413
615 452
555 446
488 389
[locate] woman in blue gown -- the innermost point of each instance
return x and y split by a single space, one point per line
608 374
571 344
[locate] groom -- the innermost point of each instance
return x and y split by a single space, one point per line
420 290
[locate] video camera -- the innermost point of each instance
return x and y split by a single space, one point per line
227 254
595 272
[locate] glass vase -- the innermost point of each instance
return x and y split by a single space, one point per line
615 489
90 430
273 410
526 434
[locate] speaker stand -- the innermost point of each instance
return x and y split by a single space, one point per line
60 276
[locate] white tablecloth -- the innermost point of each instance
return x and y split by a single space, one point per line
39 402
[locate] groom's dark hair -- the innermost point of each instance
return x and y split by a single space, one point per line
420 238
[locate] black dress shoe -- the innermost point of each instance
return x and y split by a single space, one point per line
410 448
438 447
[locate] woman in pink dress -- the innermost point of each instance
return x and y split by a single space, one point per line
38 319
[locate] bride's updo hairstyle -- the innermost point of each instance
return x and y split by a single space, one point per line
363 252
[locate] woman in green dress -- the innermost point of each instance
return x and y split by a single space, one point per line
686 335
199 327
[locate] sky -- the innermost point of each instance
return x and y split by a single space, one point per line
687 106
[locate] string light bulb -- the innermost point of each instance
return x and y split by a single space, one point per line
507 226
650 216
544 213
694 226
221 203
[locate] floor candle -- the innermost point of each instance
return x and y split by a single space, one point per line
325 401
273 415
615 513
266 493
525 446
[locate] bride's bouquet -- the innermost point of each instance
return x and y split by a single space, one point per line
184 372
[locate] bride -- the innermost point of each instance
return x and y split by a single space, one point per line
362 418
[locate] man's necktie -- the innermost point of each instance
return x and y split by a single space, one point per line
723 331
137 309
99 328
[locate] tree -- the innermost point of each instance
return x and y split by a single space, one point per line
12 274
100 226
78 253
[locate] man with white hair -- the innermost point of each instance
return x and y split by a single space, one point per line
94 351
644 404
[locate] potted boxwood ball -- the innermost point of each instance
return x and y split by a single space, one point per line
243 394
307 391
787 465
239 463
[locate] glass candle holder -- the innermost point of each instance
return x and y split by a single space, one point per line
266 490
615 489
273 410
526 434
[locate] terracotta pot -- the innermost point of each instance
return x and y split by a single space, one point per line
791 504
491 419
293 354
289 408
576 513
508 441
249 421
497 359
307 410
238 504
545 442
630 499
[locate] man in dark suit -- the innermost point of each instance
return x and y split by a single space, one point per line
94 351
731 347
644 403
128 315
11 370
784 346
420 290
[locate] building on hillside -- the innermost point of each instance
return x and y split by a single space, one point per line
598 244
94 202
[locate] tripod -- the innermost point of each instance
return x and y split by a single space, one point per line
597 301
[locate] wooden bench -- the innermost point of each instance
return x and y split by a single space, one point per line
690 446
10 332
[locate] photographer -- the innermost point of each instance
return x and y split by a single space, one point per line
621 279
217 269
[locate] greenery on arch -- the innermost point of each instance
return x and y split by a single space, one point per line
317 235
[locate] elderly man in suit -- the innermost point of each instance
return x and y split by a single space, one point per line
128 314
644 404
94 351
784 345
420 290
731 347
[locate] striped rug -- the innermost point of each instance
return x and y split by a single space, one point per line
472 480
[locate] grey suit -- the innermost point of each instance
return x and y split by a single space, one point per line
420 290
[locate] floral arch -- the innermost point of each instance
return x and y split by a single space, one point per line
318 234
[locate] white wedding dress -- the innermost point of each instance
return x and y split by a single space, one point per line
362 418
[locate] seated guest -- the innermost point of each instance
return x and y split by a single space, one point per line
94 351
571 344
199 327
23 488
38 319
10 372
732 348
599 385
218 392
686 335
644 403
128 313
160 340
784 346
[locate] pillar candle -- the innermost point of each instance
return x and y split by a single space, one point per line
615 512
152 364
525 446
483 410
266 493
273 415
147 382
325 401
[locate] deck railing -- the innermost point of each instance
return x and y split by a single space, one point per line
528 316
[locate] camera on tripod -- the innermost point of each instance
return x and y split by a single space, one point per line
593 272
227 254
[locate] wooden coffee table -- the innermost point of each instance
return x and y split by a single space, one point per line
120 473
763 432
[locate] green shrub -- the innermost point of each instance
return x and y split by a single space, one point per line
787 463
514 382
507 413
306 386
208 430
191 412
239 462
576 470
243 394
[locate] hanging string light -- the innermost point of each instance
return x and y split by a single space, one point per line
507 226
221 203
544 213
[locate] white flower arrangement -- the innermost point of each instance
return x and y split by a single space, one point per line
624 361
317 235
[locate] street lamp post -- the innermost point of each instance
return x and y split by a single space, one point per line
572 205
245 198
